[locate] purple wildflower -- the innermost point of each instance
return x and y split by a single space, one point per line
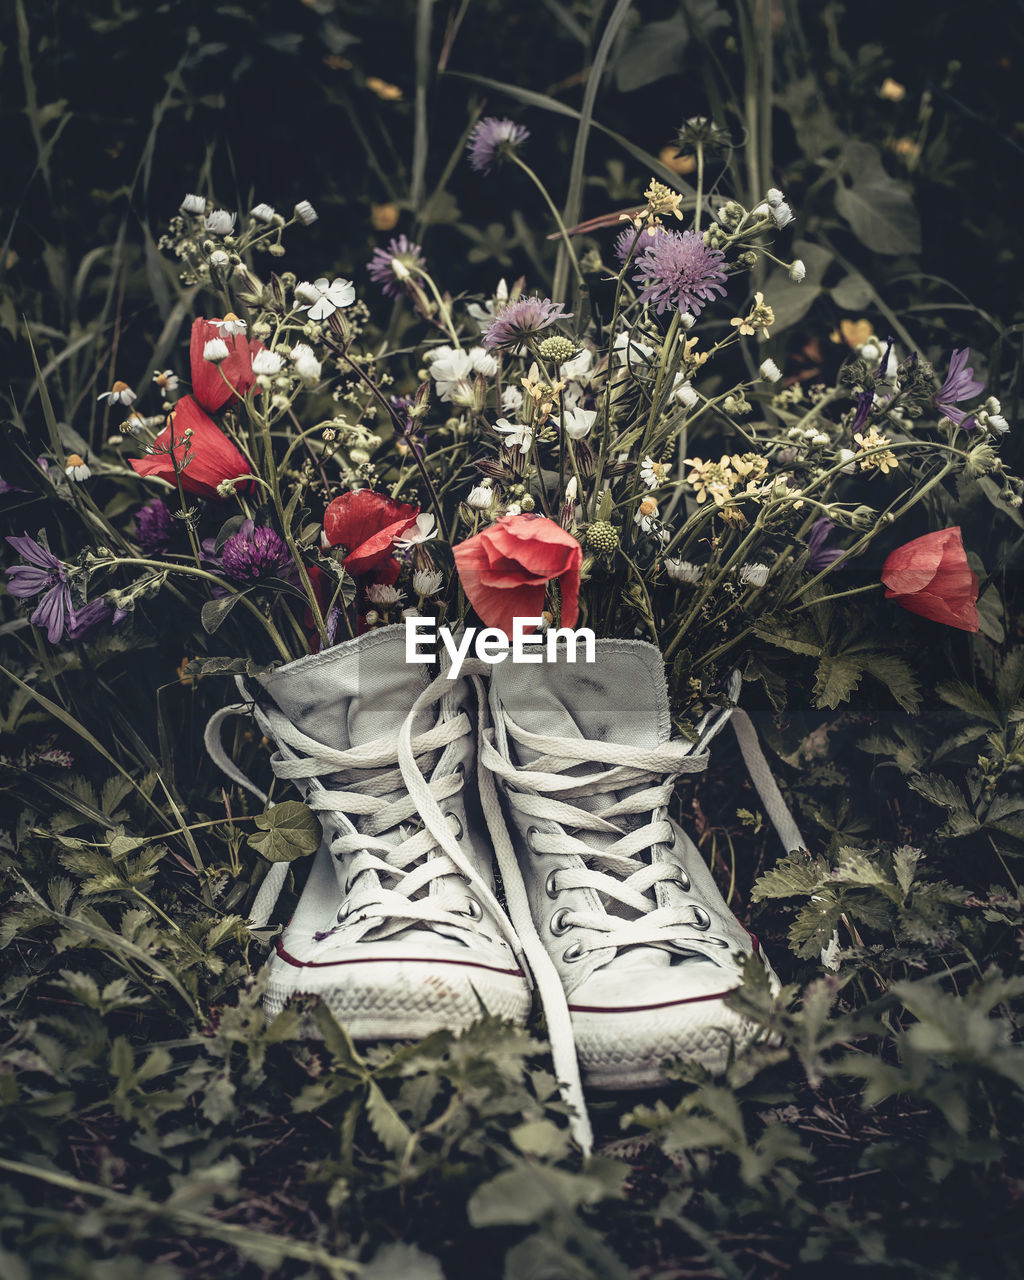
153 525
624 242
821 556
520 320
864 399
679 270
253 552
92 615
490 138
391 266
45 574
960 384
413 434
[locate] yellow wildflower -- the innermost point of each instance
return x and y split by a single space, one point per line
713 480
886 461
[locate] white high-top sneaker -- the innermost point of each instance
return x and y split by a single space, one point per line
642 939
397 935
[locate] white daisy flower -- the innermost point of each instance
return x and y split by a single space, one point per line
653 474
219 259
193 204
220 222
579 368
483 315
264 213
647 515
797 271
380 593
119 393
167 380
480 497
323 297
76 468
683 391
511 399
770 371
775 197
755 575
578 422
427 582
305 213
515 434
230 326
513 509
782 215
422 531
307 366
684 571
216 350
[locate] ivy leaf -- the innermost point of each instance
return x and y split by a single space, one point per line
287 831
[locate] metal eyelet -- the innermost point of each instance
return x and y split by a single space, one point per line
472 909
530 833
682 879
350 880
459 769
549 884
701 919
454 817
346 910
557 923
718 942
572 953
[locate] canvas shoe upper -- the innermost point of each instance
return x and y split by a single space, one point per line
643 941
399 936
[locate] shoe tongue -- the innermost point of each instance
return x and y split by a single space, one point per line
620 697
353 693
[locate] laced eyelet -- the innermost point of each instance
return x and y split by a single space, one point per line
557 923
346 910
459 769
472 909
572 953
701 919
457 821
549 884
530 833
718 942
682 879
462 710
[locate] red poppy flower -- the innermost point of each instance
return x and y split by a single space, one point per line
213 384
211 457
367 523
931 576
505 570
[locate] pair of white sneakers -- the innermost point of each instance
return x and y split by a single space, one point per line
558 777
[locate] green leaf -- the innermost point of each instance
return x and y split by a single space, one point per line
288 831
656 49
878 207
401 1262
905 861
385 1121
521 1196
793 876
852 293
214 612
940 791
791 301
837 677
968 700
897 677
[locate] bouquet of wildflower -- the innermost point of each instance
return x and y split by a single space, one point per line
622 459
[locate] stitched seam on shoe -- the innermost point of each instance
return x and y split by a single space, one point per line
288 958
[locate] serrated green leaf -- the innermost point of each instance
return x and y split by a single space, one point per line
793 876
837 677
288 831
941 791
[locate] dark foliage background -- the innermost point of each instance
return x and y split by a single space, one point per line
153 1124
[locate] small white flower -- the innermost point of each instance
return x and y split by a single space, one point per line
305 213
267 362
775 197
427 582
782 215
684 571
76 468
372 617
513 509
755 575
216 350
264 213
797 271
219 259
307 366
571 489
996 422
684 392
193 204
577 369
511 399
687 320
483 315
230 326
870 350
849 460
647 515
481 496
820 438
770 371
652 473
422 531
638 355
323 297
220 222
167 380
119 393
380 593
762 211
992 405
578 422
515 434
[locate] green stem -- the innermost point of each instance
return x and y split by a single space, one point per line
566 238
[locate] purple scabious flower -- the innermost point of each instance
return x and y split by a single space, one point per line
392 266
821 556
489 138
679 270
44 574
153 525
520 320
624 242
960 384
253 552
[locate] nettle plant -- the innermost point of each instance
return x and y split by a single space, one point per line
636 468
